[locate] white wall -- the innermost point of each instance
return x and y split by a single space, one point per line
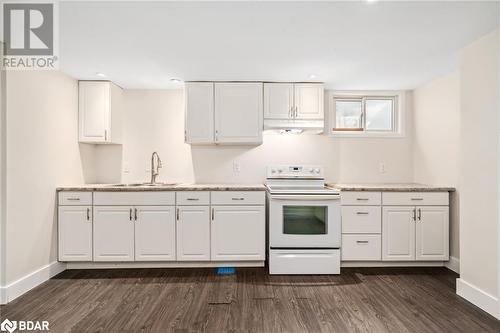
3 107
42 153
154 120
436 124
479 173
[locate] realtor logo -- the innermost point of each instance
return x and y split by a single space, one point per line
8 326
28 29
29 35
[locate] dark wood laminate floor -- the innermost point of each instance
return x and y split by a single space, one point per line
191 300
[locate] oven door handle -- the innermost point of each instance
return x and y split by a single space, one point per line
306 197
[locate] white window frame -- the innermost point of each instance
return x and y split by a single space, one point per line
399 116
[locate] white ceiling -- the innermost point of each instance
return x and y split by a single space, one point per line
348 45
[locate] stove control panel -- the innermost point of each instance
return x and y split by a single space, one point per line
295 171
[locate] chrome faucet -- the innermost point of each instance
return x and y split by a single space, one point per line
155 168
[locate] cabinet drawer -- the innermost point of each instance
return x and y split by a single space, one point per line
75 198
361 198
140 198
191 198
361 219
304 261
238 197
415 198
361 247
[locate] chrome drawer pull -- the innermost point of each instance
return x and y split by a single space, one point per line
362 242
73 199
238 198
362 213
417 199
193 199
362 199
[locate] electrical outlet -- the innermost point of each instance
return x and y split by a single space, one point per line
236 167
381 167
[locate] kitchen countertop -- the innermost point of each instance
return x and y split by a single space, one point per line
168 187
391 187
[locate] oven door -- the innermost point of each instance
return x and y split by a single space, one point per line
304 221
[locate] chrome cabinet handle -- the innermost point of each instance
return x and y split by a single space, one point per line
362 199
130 214
362 213
420 214
105 135
73 199
361 242
290 112
296 111
135 214
237 199
177 214
213 213
193 199
216 135
88 214
417 199
414 214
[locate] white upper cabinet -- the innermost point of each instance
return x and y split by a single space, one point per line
309 101
278 100
99 110
238 113
199 114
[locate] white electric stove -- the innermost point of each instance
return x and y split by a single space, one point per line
304 221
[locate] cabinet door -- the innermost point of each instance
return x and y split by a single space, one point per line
432 233
113 233
238 233
278 100
75 233
238 113
199 114
309 102
398 233
193 233
93 111
154 233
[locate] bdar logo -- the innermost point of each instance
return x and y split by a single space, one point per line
8 326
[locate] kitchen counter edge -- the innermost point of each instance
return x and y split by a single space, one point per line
404 187
180 187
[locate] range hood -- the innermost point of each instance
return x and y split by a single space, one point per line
294 126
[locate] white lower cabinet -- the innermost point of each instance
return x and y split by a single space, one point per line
154 233
113 233
432 233
398 233
75 233
193 233
238 233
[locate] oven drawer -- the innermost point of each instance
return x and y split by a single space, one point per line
304 261
238 197
361 219
361 198
361 247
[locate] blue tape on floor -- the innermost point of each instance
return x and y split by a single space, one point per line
226 270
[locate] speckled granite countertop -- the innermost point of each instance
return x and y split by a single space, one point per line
391 187
165 187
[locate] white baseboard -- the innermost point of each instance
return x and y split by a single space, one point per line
453 264
391 264
478 297
172 264
30 281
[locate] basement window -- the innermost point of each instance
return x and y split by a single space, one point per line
358 114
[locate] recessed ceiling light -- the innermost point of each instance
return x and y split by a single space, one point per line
312 76
174 80
100 74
